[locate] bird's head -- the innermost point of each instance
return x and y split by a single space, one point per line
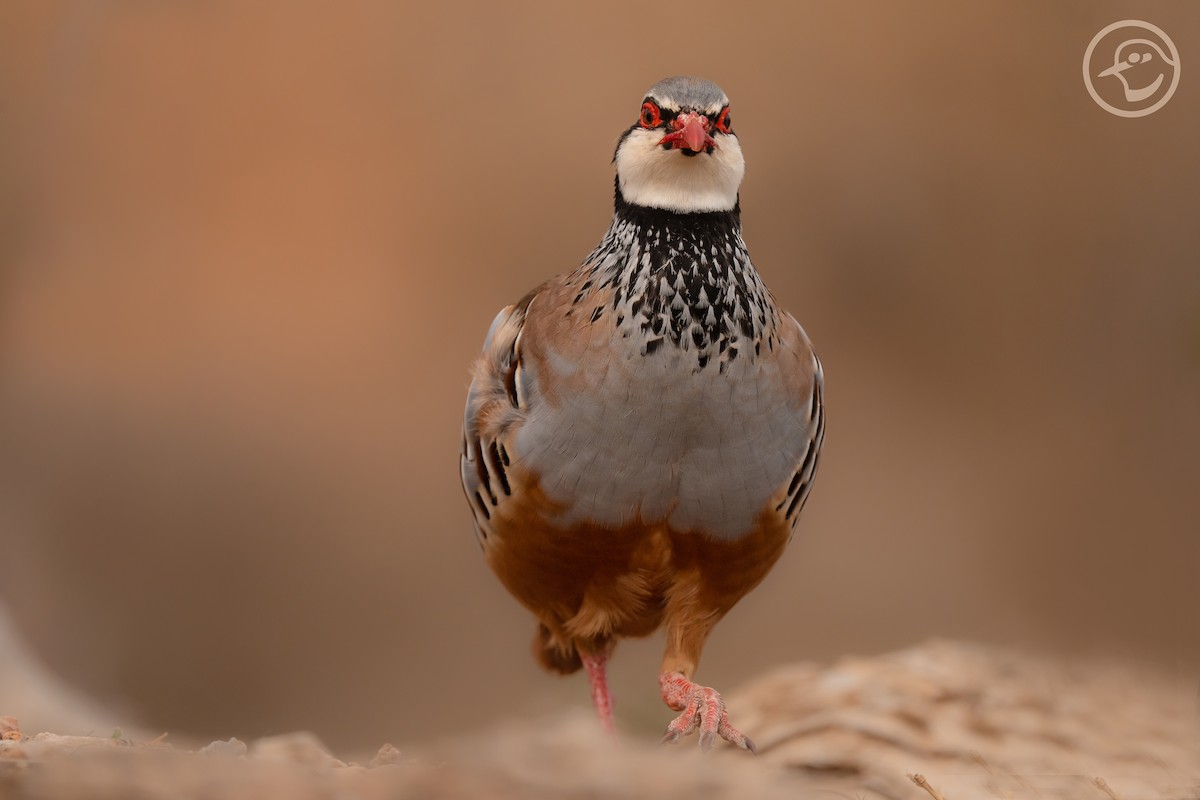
1135 51
681 154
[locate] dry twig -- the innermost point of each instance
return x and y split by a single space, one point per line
919 780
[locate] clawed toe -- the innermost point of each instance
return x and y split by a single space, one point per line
700 708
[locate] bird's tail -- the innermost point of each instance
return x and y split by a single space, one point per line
555 653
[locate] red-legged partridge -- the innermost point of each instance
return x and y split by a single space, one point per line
641 433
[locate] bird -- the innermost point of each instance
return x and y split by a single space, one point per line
1135 51
641 433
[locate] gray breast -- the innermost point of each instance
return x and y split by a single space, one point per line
657 438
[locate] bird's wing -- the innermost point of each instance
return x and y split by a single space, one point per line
496 407
804 383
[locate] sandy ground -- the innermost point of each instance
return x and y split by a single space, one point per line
943 720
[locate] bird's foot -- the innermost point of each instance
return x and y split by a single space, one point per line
701 708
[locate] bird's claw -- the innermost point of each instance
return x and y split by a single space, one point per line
699 707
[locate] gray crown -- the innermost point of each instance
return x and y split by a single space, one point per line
687 92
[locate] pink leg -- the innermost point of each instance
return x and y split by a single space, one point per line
701 708
595 664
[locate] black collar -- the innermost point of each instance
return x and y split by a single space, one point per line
650 217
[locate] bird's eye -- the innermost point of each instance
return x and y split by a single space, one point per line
723 123
651 117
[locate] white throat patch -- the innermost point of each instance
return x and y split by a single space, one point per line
652 176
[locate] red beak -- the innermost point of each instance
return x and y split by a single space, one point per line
691 131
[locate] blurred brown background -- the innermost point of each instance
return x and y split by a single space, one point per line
247 251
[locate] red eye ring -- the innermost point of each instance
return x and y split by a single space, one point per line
651 117
723 121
